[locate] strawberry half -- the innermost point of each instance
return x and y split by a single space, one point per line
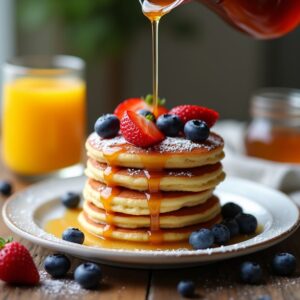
195 112
139 131
16 264
135 104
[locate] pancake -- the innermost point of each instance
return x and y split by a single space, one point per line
190 180
172 153
181 218
132 202
141 235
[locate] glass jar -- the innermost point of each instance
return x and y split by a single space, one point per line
274 132
43 114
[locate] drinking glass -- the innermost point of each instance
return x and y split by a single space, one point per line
43 115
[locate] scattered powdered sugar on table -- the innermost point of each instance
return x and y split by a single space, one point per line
67 287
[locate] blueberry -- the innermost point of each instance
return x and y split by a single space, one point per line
264 297
57 265
231 210
196 131
170 125
107 126
88 275
70 199
251 272
202 239
247 223
186 288
233 227
5 188
73 235
147 114
284 264
221 234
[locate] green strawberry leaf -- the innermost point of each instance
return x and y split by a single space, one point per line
149 100
3 241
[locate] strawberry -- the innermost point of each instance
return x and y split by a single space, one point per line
195 112
139 131
16 264
135 104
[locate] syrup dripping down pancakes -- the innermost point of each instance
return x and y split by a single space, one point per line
154 195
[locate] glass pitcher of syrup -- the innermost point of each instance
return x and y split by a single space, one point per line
264 19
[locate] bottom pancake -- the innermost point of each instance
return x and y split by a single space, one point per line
142 235
177 219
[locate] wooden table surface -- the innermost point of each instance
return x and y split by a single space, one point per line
215 281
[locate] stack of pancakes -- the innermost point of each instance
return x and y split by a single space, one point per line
159 194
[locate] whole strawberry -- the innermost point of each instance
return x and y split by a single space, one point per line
195 112
16 264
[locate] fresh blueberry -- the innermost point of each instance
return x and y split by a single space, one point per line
251 272
233 227
196 131
247 223
88 275
5 188
202 239
221 234
231 210
284 264
107 126
70 199
57 265
186 288
170 125
73 235
147 114
264 297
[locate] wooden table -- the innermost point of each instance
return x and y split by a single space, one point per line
216 282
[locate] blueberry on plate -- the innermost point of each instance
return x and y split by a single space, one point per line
221 234
57 265
251 272
231 210
170 125
107 126
186 288
88 275
284 264
264 297
147 114
70 199
196 131
233 227
202 239
5 188
247 223
73 235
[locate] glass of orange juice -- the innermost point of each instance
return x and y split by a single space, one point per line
43 115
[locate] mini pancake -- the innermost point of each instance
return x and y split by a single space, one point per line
190 180
177 219
141 235
172 153
122 200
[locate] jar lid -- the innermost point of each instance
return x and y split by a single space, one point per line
276 103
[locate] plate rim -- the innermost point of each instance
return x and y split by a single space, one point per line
216 253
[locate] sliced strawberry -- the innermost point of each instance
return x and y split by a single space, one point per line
16 264
195 112
135 104
139 131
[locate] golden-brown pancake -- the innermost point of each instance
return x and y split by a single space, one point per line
191 180
132 202
172 153
177 219
141 235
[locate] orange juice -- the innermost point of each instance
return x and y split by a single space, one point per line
43 124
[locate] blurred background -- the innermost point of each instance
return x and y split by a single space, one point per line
202 60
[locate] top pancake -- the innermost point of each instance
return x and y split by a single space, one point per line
171 153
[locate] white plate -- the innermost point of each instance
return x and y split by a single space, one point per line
26 212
